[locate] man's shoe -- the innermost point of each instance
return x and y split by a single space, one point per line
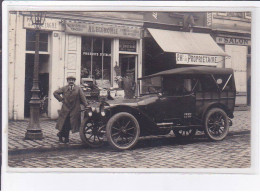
60 137
66 140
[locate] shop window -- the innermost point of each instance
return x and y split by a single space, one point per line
30 41
96 60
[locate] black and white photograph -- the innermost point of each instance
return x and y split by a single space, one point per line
129 89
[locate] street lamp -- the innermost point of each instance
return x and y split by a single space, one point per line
34 130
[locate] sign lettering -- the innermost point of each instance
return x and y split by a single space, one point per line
96 54
49 24
233 41
191 59
127 45
103 30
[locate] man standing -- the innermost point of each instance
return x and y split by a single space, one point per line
71 97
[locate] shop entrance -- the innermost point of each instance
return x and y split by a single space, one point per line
43 83
127 67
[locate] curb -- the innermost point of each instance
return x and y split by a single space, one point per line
46 149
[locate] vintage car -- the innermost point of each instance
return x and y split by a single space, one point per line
182 100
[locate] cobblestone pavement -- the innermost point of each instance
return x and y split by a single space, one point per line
159 152
17 129
233 152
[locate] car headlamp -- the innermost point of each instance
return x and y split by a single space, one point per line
90 113
93 109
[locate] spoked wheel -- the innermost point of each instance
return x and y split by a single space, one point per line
122 131
92 133
216 124
185 133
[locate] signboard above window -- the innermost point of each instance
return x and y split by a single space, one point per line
107 30
191 59
127 45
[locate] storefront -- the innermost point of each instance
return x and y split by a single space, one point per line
103 50
172 49
238 48
109 53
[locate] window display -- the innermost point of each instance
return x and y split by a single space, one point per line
96 60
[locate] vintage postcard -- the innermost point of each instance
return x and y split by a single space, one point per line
157 91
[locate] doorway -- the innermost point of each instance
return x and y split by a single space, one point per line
43 83
127 67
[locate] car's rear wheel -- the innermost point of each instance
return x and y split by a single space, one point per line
184 133
91 133
216 124
122 131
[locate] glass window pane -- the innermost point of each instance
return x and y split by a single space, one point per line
85 66
30 35
44 37
107 45
107 68
97 67
30 46
86 44
43 46
97 45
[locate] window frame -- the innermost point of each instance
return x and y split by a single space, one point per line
102 57
40 52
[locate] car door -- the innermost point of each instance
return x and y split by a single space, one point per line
178 100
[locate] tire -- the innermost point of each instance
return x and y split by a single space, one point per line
185 133
122 125
216 124
89 129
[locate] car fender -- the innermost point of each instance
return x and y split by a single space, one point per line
217 105
141 117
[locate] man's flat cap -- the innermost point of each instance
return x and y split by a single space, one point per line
71 77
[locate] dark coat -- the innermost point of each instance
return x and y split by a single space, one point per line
71 101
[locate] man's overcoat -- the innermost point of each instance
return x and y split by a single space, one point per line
71 100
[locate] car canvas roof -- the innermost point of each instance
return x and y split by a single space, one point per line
192 71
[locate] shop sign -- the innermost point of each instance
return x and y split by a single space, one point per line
191 59
234 41
108 30
96 54
49 24
127 45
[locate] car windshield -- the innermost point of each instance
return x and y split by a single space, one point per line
151 85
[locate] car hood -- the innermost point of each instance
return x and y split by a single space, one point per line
143 100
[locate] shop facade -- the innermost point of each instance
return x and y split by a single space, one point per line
232 32
80 44
173 40
217 39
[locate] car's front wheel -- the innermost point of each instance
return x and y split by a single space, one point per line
216 124
91 133
122 131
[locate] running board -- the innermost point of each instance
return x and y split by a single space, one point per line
164 124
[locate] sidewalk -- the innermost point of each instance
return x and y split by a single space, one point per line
17 129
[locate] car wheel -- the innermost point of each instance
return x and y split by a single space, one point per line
185 133
92 134
122 131
216 124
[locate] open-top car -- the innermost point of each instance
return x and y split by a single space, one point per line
182 100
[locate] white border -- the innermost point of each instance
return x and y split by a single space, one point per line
45 179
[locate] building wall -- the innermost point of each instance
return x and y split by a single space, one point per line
64 53
16 66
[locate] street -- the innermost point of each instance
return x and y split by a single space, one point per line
152 152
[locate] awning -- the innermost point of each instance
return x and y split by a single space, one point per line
186 42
